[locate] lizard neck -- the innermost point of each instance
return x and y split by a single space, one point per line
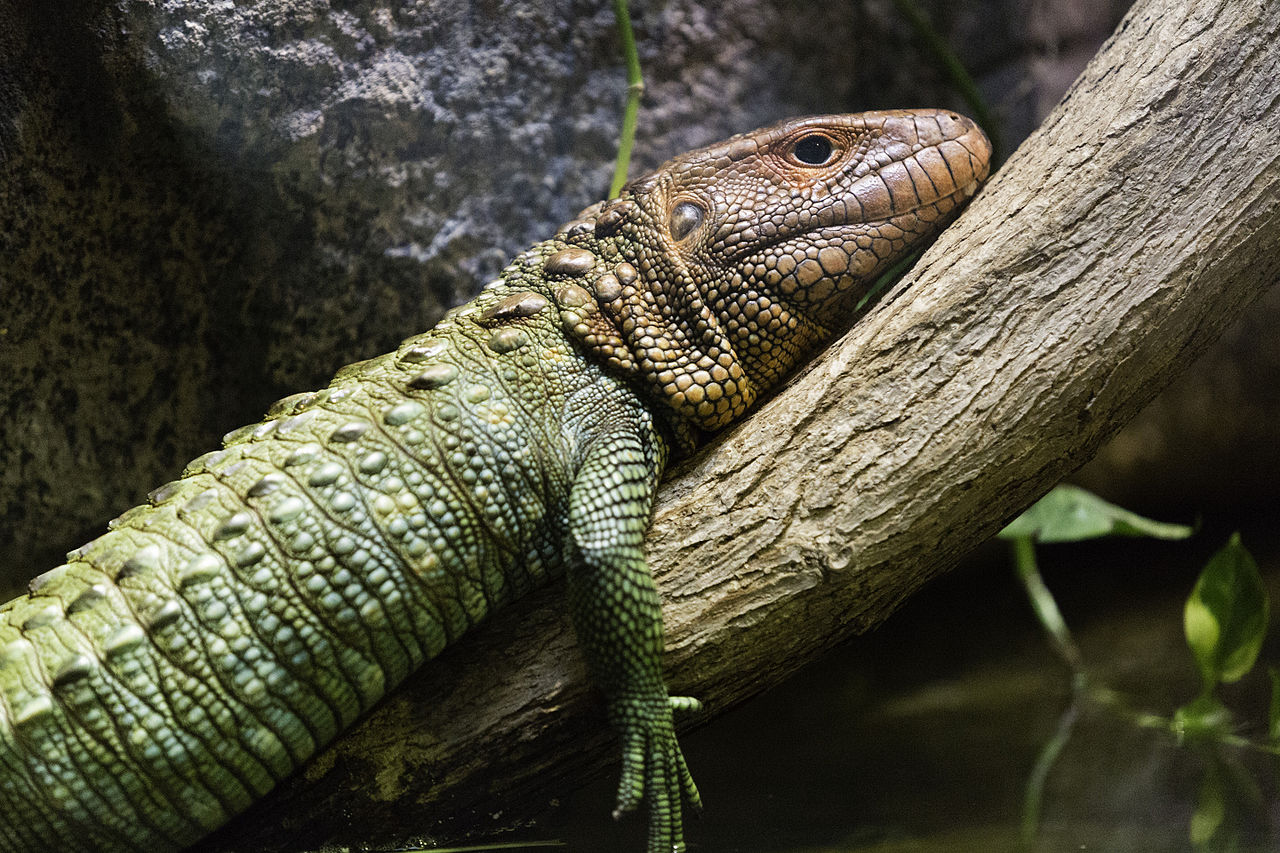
634 308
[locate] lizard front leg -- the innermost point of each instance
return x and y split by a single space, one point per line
618 619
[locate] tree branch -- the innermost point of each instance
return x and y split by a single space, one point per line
1113 247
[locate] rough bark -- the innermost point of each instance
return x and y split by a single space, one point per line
1112 248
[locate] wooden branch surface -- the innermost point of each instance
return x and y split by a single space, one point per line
1114 246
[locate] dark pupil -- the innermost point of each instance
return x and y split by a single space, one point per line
814 150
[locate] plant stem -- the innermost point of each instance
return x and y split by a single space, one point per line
635 86
1046 609
1033 799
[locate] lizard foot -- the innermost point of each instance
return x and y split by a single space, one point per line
654 769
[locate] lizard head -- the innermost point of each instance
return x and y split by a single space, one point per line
743 256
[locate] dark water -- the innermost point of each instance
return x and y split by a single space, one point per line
922 736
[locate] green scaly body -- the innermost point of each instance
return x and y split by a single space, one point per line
178 667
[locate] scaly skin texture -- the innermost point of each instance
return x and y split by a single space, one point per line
176 668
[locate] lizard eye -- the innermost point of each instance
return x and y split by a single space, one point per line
812 150
685 217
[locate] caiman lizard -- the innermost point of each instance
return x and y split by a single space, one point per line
176 668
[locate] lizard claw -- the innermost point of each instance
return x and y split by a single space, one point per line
654 770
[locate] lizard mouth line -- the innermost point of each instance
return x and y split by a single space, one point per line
967 191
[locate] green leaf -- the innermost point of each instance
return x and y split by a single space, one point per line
1203 717
1226 615
1071 514
1210 811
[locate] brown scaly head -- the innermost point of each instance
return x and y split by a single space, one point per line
737 259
